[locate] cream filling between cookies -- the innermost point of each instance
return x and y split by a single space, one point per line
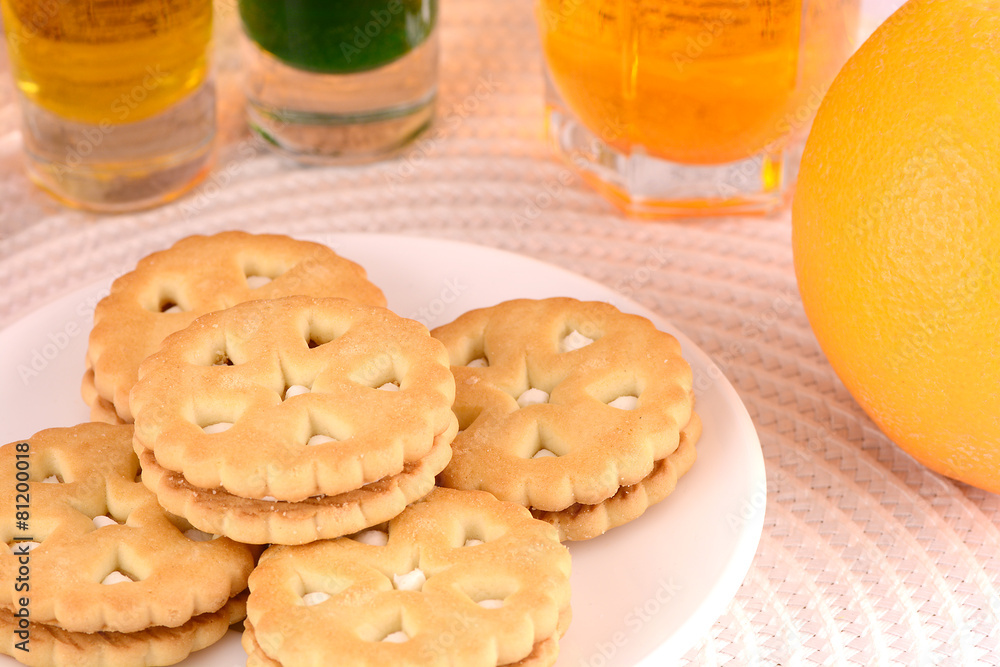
315 598
256 282
413 580
407 470
196 535
296 390
372 537
574 341
272 499
532 397
625 402
544 454
116 577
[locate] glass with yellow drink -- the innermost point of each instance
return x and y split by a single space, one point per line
118 104
690 107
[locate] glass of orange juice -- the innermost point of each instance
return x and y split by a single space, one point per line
690 107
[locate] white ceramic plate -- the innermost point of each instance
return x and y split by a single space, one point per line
643 594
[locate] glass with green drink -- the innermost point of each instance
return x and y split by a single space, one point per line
340 80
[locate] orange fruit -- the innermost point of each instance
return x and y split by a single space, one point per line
896 233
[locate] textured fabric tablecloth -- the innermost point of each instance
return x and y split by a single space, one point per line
867 558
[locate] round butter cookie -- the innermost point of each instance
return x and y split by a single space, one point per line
199 274
290 420
580 412
51 646
459 578
98 558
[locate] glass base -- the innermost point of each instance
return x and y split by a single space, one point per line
115 168
340 139
649 187
341 118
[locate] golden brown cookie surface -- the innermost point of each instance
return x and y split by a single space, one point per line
458 578
293 398
264 521
343 408
97 554
169 289
562 402
52 646
583 522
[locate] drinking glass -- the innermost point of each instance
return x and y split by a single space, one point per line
690 107
116 96
337 81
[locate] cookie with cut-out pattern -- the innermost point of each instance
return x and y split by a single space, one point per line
51 646
102 554
294 419
582 522
459 578
565 405
199 274
265 521
543 654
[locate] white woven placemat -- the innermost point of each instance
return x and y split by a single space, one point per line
866 558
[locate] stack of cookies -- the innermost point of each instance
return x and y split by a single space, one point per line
580 412
292 420
97 559
460 578
276 401
170 289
